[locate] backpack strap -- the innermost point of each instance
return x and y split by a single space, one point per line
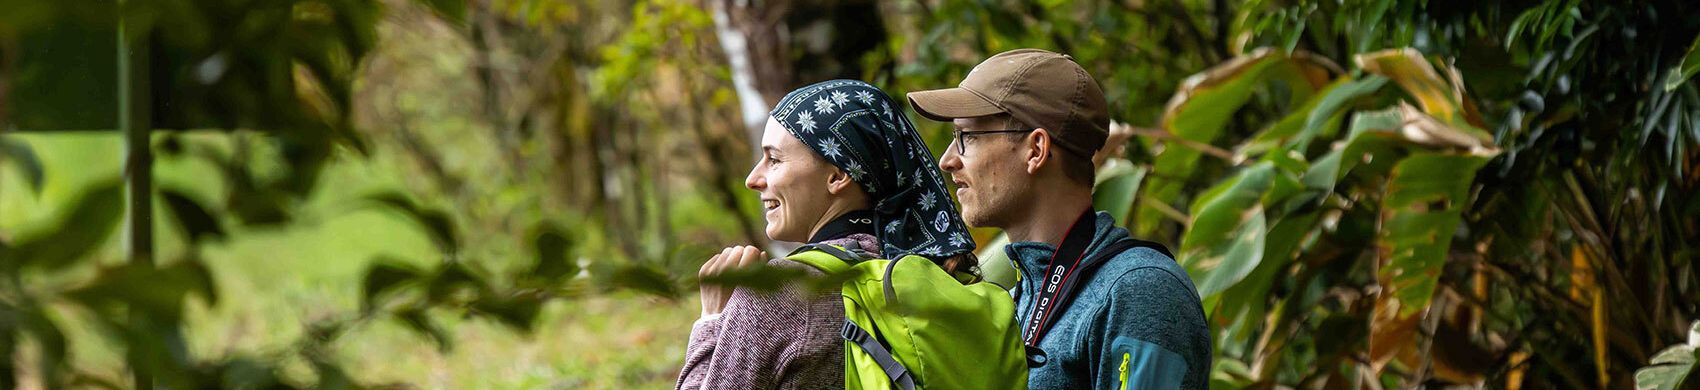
827 258
899 375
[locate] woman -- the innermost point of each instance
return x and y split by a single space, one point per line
838 166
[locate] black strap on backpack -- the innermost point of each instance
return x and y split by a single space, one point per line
1061 280
900 376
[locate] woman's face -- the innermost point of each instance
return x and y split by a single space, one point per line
793 183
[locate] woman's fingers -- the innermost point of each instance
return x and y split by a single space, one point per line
749 255
715 264
736 256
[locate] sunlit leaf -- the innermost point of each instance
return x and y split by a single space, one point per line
1439 96
437 223
19 154
91 219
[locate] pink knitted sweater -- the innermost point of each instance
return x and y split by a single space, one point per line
784 339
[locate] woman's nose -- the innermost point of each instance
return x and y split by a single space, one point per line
755 181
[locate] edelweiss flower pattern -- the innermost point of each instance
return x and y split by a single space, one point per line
852 125
806 121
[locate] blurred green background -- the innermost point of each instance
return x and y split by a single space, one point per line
518 193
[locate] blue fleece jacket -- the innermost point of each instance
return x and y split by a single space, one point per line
1136 323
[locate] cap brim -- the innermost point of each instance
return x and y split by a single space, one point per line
945 105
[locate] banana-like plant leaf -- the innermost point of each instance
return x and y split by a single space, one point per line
1118 186
1200 110
1420 212
1440 97
1225 241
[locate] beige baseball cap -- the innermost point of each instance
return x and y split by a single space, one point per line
1037 87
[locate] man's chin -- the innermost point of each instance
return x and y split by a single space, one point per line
976 220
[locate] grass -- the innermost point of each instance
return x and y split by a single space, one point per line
273 282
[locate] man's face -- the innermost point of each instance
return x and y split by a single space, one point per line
793 183
988 170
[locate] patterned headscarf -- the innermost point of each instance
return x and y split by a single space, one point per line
852 125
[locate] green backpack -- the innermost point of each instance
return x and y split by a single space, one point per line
910 325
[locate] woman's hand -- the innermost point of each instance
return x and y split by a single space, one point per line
714 296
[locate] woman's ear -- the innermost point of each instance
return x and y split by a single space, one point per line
838 181
1038 145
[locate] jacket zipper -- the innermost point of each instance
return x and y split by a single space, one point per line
1125 358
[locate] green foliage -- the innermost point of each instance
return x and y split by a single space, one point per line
1671 368
1503 199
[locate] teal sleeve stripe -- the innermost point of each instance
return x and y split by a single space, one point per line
1149 366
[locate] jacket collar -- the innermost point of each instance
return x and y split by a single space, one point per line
1031 257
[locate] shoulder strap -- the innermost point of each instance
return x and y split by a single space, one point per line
827 258
899 375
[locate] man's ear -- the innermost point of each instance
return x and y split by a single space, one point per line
1038 145
838 181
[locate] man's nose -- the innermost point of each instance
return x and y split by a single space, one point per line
950 161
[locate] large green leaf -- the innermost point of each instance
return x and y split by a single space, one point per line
1289 126
1371 133
1420 212
1225 241
1117 187
1441 97
1200 110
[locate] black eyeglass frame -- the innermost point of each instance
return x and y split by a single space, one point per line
960 135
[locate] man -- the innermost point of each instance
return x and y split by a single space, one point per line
1098 309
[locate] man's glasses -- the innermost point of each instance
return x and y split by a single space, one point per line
962 137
